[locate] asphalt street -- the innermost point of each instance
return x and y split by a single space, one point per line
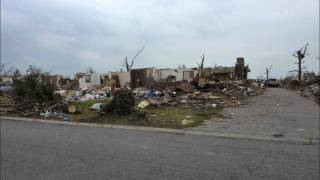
277 111
31 150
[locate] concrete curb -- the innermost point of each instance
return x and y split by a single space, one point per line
164 130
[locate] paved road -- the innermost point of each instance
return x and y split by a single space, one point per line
41 151
277 111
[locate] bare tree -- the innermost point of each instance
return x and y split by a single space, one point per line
90 70
259 77
34 70
128 65
181 66
16 73
200 65
268 71
300 55
5 70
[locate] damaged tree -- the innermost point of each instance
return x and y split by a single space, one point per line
300 55
91 70
128 65
5 70
268 71
199 79
200 65
33 89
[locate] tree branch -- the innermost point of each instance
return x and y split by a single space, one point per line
125 62
305 49
139 51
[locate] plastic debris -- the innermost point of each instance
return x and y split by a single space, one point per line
143 104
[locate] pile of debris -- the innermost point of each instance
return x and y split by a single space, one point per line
6 103
85 94
312 92
237 88
160 94
13 104
217 94
122 104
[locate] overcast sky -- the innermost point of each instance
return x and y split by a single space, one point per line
66 36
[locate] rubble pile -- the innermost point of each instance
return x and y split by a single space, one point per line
217 94
12 103
85 94
312 92
6 103
237 88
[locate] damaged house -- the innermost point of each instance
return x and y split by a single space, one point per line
53 80
116 79
91 80
139 77
172 75
238 72
144 76
220 73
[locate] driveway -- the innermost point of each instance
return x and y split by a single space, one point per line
276 112
41 151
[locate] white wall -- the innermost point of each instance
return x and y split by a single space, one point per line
124 78
94 80
161 74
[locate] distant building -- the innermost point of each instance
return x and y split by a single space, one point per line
7 79
146 76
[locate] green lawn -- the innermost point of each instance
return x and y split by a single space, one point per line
165 117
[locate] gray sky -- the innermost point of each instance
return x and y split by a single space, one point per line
66 36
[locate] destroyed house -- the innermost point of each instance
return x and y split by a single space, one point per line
238 72
117 79
173 75
139 77
124 79
220 73
53 81
145 76
91 80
